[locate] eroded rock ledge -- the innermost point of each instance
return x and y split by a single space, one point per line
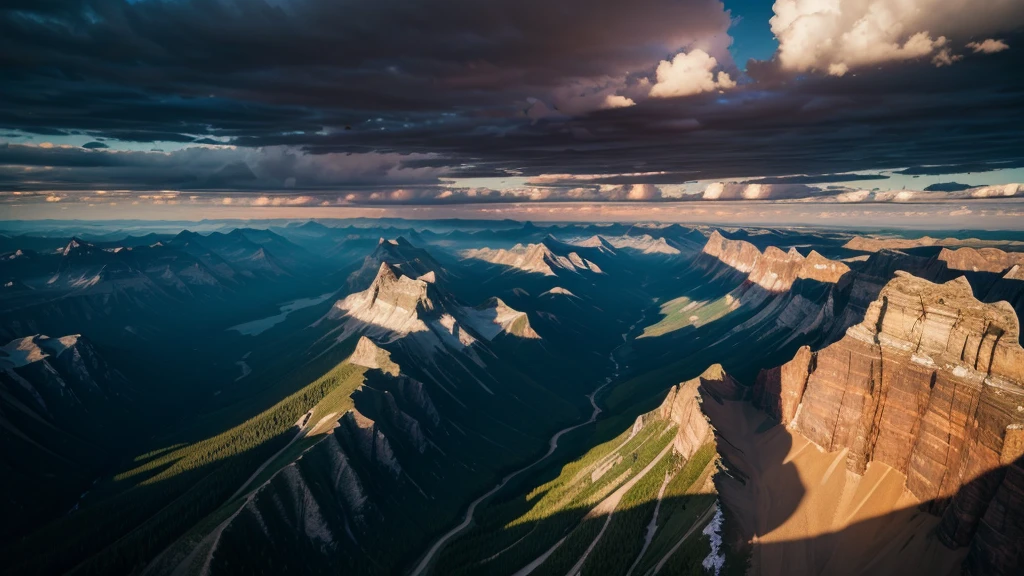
774 270
931 383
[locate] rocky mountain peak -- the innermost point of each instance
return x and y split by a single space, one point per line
598 241
735 253
774 270
369 355
402 256
400 291
528 258
980 259
817 267
494 317
77 246
558 291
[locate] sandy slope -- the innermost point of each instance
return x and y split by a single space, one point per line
806 514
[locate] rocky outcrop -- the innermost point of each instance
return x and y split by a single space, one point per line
1009 288
998 522
413 392
981 259
535 258
370 441
600 242
778 390
369 355
401 255
931 383
682 407
735 253
63 412
872 244
494 318
393 305
643 244
817 267
408 390
558 291
773 270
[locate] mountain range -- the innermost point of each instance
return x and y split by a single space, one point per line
513 399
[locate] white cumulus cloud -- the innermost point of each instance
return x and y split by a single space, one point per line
836 36
688 74
988 46
616 101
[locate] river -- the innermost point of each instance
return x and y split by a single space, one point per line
425 562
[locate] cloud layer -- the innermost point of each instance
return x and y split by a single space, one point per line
294 97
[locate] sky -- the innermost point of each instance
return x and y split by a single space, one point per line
161 107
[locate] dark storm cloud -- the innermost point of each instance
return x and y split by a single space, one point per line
886 118
28 168
303 83
322 59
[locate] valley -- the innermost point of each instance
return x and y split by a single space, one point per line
445 398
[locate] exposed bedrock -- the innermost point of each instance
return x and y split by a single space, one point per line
931 383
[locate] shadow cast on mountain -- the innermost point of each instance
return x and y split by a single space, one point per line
911 541
120 534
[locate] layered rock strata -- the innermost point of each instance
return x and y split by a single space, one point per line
931 383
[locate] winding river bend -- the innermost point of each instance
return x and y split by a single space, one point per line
428 557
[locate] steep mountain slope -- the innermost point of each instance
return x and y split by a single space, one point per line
495 318
745 308
425 394
123 294
377 467
545 258
590 515
399 253
580 298
113 292
61 406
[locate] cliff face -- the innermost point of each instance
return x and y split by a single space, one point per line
981 259
778 390
738 254
682 406
773 270
931 383
866 244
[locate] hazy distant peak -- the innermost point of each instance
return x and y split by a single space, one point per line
76 245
